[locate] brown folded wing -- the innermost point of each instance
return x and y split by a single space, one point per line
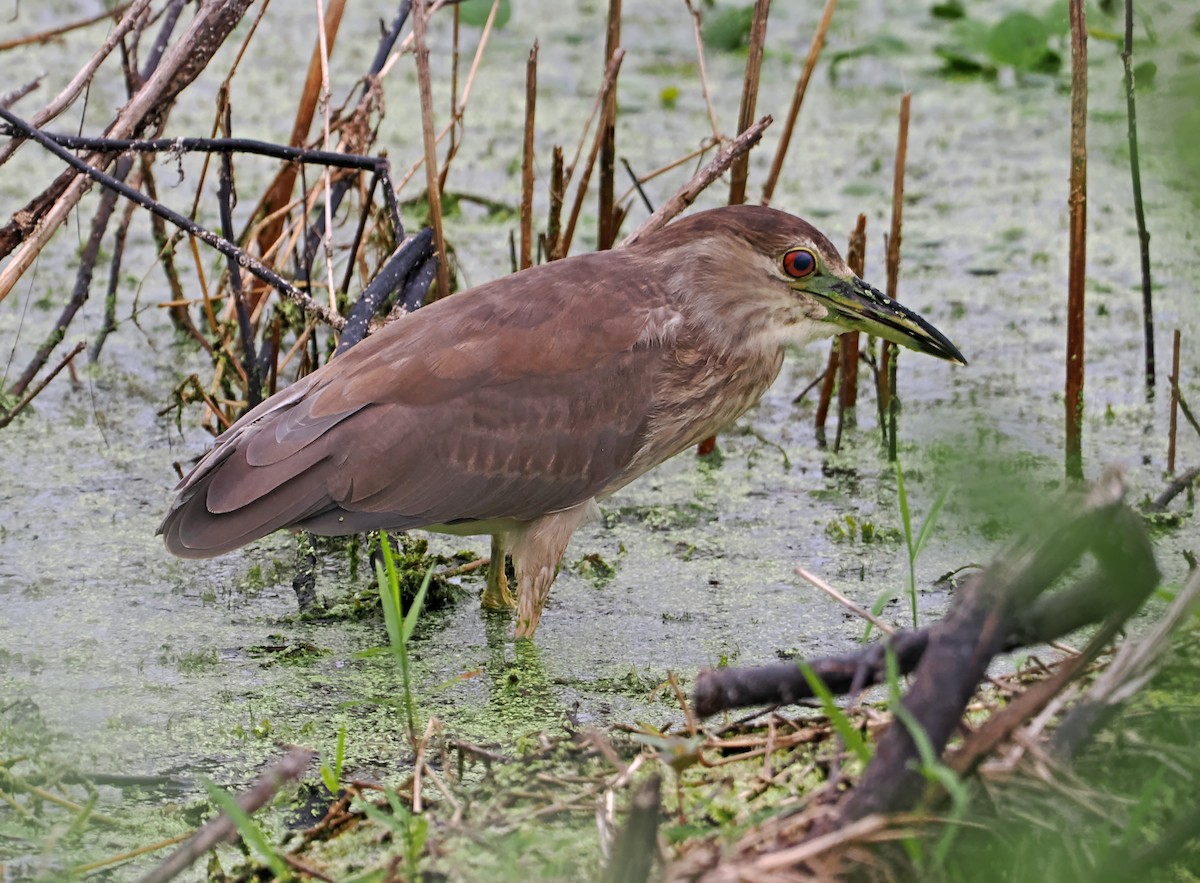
521 397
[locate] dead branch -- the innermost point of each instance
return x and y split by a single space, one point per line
687 194
1028 567
292 766
33 227
221 244
8 416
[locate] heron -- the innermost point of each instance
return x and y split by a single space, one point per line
512 408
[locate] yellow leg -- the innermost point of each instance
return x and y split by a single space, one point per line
496 595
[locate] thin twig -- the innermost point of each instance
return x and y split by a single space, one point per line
705 146
1138 209
53 33
259 794
81 870
29 397
686 195
712 114
829 590
610 83
527 160
1174 403
754 55
607 232
785 138
433 190
1077 259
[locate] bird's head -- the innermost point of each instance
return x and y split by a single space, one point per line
801 274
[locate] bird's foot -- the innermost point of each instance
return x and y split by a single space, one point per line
496 595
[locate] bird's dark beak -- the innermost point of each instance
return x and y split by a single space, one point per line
856 305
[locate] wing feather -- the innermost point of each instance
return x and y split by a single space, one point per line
524 396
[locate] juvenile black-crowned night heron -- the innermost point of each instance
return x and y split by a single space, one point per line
510 409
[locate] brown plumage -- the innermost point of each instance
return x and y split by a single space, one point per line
511 408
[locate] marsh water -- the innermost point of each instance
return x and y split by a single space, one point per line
123 661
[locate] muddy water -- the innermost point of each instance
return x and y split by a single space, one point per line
140 664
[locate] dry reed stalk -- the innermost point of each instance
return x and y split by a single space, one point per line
758 36
279 192
434 194
113 14
888 351
1138 209
810 63
827 380
80 81
610 83
712 114
1077 260
180 64
462 104
686 195
554 223
527 160
856 256
323 43
1174 403
454 48
607 233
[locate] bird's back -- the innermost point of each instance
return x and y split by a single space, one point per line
499 402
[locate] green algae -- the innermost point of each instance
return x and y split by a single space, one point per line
137 663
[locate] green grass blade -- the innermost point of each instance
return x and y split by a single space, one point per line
926 529
249 831
332 775
389 591
904 513
414 610
850 736
876 609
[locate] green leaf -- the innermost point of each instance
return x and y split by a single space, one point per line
949 9
926 529
1057 18
881 46
1018 40
956 61
389 592
852 737
904 514
728 28
972 35
1144 75
476 12
414 609
332 776
249 831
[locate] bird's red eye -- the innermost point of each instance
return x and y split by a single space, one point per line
799 262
